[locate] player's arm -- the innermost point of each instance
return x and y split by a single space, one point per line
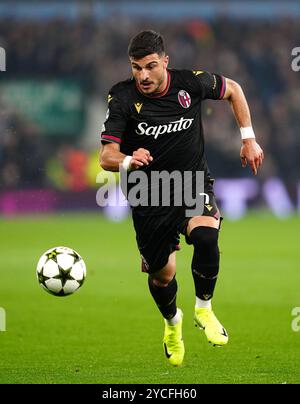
251 152
111 158
112 136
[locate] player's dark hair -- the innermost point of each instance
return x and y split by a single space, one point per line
145 43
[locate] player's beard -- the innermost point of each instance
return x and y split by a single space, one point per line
157 89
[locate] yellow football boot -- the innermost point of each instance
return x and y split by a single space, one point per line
173 342
214 331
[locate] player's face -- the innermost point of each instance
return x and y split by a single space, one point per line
150 73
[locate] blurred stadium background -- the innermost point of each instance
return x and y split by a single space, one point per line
61 60
63 57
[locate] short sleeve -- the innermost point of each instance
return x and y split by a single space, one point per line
209 85
115 123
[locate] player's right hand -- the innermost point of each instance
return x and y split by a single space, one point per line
140 158
252 153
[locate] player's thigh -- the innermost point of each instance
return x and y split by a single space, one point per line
206 221
157 238
210 216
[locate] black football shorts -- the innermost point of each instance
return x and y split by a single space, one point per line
158 236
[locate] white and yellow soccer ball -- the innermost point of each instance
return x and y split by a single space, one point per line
61 271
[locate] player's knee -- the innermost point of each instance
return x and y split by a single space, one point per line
162 280
164 276
204 237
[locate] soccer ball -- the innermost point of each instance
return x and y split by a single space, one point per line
61 271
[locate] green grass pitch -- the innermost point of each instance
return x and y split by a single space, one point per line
111 332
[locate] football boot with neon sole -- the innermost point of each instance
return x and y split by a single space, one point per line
215 333
173 342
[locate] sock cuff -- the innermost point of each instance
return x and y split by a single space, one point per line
199 230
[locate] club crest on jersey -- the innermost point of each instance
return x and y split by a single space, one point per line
184 98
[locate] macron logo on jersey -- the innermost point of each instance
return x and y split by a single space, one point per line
175 126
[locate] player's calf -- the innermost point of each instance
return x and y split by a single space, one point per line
164 297
205 263
205 269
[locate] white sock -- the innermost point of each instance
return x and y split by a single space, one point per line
202 304
174 320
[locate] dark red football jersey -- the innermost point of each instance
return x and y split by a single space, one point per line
168 124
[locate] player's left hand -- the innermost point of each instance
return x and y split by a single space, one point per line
251 153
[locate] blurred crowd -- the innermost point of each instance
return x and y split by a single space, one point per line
257 54
22 152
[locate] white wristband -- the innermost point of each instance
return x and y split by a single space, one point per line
247 133
126 162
